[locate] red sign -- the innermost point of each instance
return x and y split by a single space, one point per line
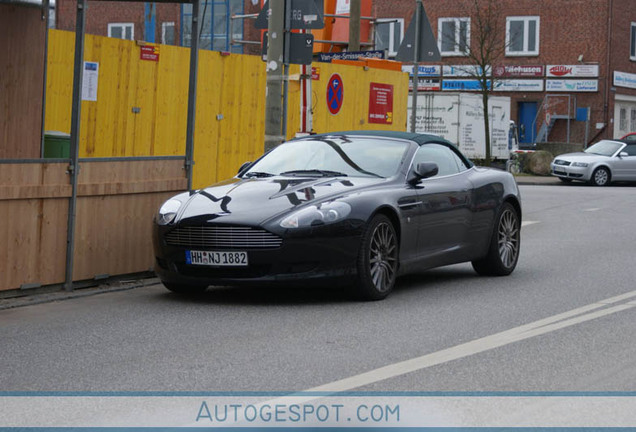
335 94
427 84
560 70
381 103
518 71
315 73
149 52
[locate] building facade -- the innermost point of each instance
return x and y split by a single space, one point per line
559 58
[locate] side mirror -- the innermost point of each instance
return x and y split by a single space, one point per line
244 167
423 170
623 154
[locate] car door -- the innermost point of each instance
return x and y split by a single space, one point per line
445 210
624 167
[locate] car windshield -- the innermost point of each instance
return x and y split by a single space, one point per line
604 148
332 156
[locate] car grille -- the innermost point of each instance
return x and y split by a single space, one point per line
222 237
562 162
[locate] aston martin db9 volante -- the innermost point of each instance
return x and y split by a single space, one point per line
359 208
599 165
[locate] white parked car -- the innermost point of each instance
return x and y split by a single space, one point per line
604 162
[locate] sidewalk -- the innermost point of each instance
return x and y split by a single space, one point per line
537 180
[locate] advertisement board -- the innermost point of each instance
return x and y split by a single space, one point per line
459 118
521 85
572 71
571 85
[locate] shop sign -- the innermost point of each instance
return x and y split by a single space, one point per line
519 85
571 85
423 70
624 79
518 71
574 71
463 71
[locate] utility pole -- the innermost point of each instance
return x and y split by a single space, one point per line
416 60
274 67
354 25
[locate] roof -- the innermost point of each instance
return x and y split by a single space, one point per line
418 138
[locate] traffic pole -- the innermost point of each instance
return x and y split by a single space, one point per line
274 68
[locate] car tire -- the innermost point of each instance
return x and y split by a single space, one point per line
565 180
377 262
503 251
185 289
601 177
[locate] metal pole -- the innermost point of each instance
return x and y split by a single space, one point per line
45 16
287 48
192 91
354 25
416 58
73 168
274 66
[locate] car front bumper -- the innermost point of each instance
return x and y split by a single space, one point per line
571 172
326 253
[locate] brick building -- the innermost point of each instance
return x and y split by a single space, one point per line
586 48
161 22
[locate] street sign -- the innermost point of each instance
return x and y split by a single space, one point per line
301 48
305 14
335 94
428 50
350 55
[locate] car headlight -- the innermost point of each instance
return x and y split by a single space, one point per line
317 215
579 164
168 211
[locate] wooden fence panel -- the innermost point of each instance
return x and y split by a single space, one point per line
34 208
116 203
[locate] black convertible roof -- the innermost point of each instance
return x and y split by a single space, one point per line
418 138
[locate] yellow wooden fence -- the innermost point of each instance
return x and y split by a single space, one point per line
141 105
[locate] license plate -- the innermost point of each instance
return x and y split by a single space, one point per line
216 259
560 173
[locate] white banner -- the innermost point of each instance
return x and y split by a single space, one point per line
571 85
380 412
572 71
519 85
463 70
423 70
624 79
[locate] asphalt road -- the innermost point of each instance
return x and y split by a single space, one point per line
577 251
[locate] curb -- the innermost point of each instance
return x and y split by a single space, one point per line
35 299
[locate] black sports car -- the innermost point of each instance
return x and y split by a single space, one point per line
357 207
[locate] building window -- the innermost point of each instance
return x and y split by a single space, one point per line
389 33
453 35
632 51
633 121
217 30
121 30
622 125
167 33
522 36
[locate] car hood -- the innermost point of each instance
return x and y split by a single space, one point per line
253 201
578 156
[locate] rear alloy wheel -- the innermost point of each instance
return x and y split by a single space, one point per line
503 252
377 259
601 177
185 289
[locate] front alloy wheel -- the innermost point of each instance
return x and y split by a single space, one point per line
377 260
503 252
601 177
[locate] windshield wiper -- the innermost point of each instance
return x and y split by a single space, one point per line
314 172
252 174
